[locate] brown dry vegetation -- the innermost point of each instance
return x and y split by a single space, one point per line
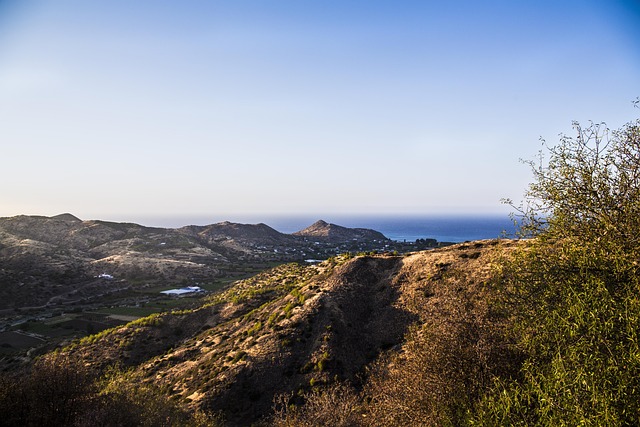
372 340
447 359
536 332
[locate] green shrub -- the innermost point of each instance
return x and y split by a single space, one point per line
288 309
574 290
239 356
255 328
272 319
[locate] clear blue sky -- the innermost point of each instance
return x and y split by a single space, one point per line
125 109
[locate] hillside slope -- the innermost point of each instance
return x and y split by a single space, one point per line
51 261
295 328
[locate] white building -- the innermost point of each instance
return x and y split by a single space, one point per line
182 291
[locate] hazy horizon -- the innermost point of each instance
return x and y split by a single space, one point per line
122 110
402 227
180 220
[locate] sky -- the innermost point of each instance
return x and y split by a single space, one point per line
133 110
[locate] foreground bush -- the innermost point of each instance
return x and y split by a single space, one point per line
53 392
575 291
335 406
58 391
570 297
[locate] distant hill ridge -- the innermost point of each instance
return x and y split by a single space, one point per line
51 229
290 328
65 241
44 253
228 229
67 217
336 233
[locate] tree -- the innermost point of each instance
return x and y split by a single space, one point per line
590 187
574 289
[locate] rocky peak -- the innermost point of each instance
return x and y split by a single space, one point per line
66 217
321 230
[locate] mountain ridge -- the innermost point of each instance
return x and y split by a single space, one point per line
290 330
28 225
54 261
281 332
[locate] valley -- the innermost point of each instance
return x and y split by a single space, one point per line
296 329
63 278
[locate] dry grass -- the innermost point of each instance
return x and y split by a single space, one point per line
372 340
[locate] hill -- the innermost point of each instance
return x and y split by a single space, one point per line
60 242
324 231
62 277
293 329
45 258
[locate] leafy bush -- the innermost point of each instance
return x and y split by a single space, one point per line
336 406
55 391
589 189
59 391
574 290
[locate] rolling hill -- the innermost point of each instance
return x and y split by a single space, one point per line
294 329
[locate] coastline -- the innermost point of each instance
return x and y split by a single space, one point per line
444 228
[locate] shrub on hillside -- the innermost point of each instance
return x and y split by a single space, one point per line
575 290
59 391
335 406
445 366
52 392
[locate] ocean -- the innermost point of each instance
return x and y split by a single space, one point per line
404 228
443 228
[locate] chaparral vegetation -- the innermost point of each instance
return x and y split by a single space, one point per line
542 330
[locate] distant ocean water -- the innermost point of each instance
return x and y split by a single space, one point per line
400 228
442 228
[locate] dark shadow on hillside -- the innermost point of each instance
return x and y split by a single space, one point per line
356 318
